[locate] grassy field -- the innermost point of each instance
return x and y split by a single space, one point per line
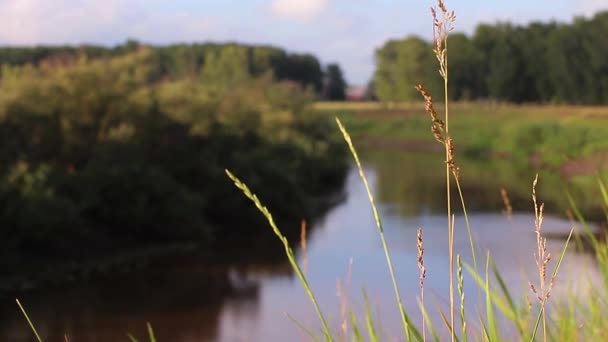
572 138
503 318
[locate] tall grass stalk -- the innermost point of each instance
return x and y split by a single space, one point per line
541 312
442 26
405 320
290 254
151 335
463 322
421 276
29 321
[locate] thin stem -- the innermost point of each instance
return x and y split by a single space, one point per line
448 192
407 329
28 320
468 224
288 251
423 323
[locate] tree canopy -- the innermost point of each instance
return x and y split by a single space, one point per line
102 153
211 62
539 62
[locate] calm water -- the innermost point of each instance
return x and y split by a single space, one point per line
185 298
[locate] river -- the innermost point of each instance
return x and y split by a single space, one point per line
179 295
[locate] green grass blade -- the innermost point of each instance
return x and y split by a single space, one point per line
356 331
288 251
496 298
466 220
369 319
489 304
507 295
541 312
29 321
131 338
463 320
445 319
604 192
429 322
581 219
484 329
408 329
303 328
150 332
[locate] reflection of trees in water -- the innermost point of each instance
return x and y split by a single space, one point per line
184 298
415 182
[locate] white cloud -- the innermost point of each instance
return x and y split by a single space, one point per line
299 9
590 7
30 22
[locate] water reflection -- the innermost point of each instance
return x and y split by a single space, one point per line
198 298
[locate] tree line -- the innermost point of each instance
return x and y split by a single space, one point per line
540 63
103 153
210 62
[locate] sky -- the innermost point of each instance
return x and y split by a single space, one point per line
343 31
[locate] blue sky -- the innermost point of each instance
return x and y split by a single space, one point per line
342 31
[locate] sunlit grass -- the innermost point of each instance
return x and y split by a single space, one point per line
498 301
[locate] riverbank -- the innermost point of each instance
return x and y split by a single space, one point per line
546 134
566 145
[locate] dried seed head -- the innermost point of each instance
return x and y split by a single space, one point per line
441 28
528 302
453 168
437 124
506 201
441 5
420 248
542 256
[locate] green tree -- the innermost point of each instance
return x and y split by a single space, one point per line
464 68
400 65
229 65
335 85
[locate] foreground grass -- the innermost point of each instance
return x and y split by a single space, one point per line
513 136
529 320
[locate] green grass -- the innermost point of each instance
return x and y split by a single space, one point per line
518 132
561 132
478 129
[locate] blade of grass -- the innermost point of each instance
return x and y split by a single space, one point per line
489 304
408 329
429 322
509 298
463 320
150 332
604 192
28 320
466 220
356 331
484 329
131 338
444 317
288 251
369 319
496 298
582 220
303 328
541 312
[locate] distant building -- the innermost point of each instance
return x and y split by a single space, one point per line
356 93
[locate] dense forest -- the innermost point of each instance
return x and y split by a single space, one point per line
106 149
539 63
209 62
